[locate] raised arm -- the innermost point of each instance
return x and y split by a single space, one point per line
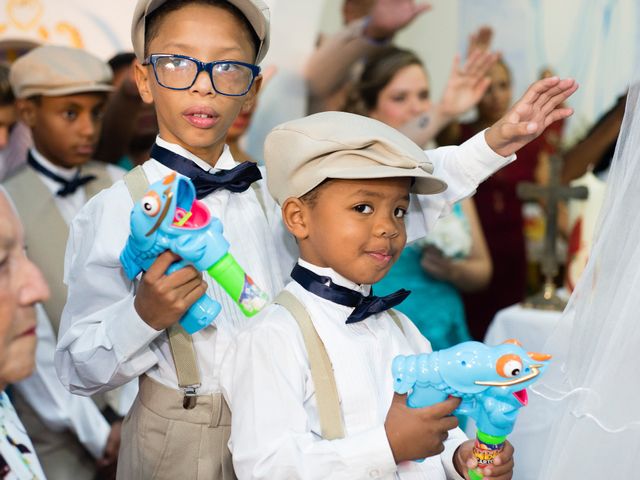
466 166
464 89
589 151
329 66
539 107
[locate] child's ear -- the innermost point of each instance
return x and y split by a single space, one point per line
141 74
252 95
294 215
26 110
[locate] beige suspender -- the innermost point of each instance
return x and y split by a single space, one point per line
322 375
180 342
321 370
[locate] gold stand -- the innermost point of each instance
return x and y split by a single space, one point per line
547 299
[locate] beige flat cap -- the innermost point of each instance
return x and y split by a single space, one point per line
255 11
54 71
301 154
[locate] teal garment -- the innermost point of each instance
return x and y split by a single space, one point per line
126 162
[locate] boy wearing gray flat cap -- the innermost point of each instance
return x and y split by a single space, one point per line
309 383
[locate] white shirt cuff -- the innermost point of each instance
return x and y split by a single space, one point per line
372 451
487 162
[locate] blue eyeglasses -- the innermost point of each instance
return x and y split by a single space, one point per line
179 72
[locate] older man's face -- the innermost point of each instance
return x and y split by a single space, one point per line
21 283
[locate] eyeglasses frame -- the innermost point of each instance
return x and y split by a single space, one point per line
202 67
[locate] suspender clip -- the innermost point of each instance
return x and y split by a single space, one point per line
190 396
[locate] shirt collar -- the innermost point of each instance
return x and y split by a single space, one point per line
225 162
336 277
66 173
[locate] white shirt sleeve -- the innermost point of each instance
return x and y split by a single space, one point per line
463 167
56 407
102 343
263 379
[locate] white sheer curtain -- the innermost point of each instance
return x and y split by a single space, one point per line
594 385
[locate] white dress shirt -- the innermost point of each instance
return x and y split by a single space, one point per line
55 406
266 379
104 343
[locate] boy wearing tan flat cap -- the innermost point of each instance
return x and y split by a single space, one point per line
309 383
198 65
60 94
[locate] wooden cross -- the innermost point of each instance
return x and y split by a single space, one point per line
550 195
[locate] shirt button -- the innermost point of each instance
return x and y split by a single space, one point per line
375 473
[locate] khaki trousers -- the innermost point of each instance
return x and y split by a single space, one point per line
162 440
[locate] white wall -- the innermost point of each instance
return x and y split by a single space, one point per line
100 26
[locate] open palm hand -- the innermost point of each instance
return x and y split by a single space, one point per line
467 84
390 16
539 107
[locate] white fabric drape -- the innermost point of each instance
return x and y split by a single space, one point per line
595 378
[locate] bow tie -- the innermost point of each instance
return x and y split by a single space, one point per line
364 306
238 179
68 186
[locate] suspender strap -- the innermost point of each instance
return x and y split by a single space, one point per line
136 182
321 370
180 342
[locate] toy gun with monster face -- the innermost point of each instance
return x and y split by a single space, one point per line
491 381
169 217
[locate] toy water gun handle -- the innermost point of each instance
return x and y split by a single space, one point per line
486 449
233 279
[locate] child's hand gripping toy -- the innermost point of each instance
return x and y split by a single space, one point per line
170 218
491 381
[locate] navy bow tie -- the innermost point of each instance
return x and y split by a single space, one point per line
364 306
238 179
68 186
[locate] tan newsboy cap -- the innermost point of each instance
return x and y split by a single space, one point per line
54 71
301 154
255 11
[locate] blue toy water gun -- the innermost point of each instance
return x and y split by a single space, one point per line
491 381
169 217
